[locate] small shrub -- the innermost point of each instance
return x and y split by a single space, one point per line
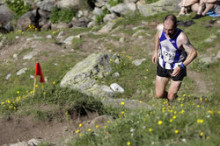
62 15
19 7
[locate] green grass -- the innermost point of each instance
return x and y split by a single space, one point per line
197 117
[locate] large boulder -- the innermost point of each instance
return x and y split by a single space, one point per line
157 7
46 5
68 3
6 16
26 20
83 75
123 9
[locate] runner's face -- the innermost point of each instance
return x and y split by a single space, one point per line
169 28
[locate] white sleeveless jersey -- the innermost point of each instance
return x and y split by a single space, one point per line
170 55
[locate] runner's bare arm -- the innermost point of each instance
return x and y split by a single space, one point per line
157 43
190 50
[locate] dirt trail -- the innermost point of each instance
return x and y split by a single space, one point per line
201 85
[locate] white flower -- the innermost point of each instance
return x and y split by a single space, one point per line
132 130
183 140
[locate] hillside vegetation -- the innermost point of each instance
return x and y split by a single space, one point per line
192 119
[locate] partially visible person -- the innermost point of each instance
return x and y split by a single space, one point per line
188 5
208 5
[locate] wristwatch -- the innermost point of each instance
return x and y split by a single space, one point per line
181 66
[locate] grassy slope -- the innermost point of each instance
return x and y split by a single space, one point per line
196 118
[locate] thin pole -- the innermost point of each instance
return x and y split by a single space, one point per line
34 86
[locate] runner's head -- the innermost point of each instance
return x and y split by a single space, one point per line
170 25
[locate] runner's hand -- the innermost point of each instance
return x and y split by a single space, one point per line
154 57
176 71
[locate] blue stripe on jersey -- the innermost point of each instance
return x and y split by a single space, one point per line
173 40
162 57
162 37
177 56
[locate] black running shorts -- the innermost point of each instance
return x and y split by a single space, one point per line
167 73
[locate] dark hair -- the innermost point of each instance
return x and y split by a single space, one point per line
172 18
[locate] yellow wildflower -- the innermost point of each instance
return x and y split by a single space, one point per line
198 106
80 125
201 133
211 112
122 103
159 122
54 82
122 112
18 92
176 131
36 86
89 129
171 120
80 135
78 131
97 126
140 101
128 143
174 117
150 129
200 121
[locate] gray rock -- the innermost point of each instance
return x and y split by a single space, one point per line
157 7
15 55
60 35
117 88
81 22
138 33
97 11
91 24
68 3
6 16
109 17
59 26
46 5
207 59
138 61
2 42
101 3
68 41
21 71
117 61
121 40
32 142
116 74
107 28
211 39
8 76
123 9
26 20
49 36
218 55
83 75
30 55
